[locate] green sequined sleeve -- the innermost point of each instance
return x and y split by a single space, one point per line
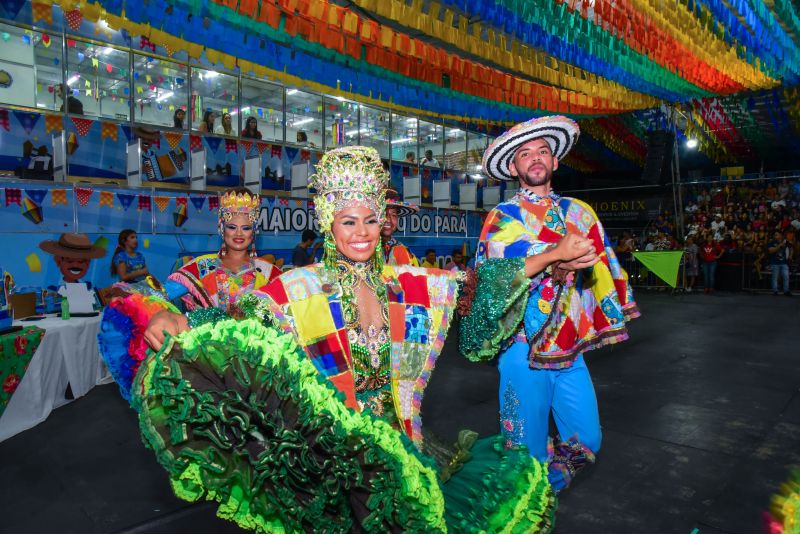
498 308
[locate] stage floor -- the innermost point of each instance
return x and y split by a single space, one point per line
700 412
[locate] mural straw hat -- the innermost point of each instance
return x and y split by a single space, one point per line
73 246
560 132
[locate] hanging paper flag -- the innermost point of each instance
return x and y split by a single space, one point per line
74 19
291 153
180 215
58 196
145 203
83 194
31 211
230 145
107 199
213 143
53 123
82 125
173 139
42 11
37 195
109 129
109 68
263 147
284 201
27 120
305 155
162 203
213 203
4 123
276 151
181 201
195 143
247 145
13 196
197 202
125 200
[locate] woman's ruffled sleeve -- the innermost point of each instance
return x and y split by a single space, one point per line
121 338
497 308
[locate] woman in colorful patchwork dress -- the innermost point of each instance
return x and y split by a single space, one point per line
211 281
305 415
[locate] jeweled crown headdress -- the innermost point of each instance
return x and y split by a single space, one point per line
239 202
346 177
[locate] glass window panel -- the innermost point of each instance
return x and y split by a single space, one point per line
341 122
24 81
98 78
374 130
430 144
303 118
404 139
213 96
477 146
161 92
263 102
455 149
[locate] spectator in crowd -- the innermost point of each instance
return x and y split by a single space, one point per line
429 160
74 106
625 247
410 158
301 256
430 259
710 252
207 125
456 262
127 263
251 129
226 128
718 227
177 118
780 250
690 263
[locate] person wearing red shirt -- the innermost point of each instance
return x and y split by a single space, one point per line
710 252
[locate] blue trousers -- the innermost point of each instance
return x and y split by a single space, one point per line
783 272
709 270
528 396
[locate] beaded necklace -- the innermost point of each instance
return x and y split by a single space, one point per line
370 349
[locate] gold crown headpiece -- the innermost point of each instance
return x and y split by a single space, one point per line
347 177
233 202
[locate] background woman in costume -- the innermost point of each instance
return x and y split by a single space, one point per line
318 421
127 263
211 282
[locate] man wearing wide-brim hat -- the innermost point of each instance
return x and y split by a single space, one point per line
549 289
72 253
394 252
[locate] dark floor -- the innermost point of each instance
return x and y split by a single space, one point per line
700 409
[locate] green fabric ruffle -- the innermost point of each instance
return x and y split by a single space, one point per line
236 413
497 310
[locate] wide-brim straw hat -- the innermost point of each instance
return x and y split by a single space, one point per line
560 132
73 246
403 208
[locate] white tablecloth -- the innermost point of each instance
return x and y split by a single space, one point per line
68 354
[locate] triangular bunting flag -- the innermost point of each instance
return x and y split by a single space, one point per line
213 203
213 143
42 11
127 131
145 203
4 123
53 123
162 203
195 143
27 120
83 194
230 145
263 147
107 199
58 196
173 139
125 200
664 264
109 129
13 196
74 19
291 153
198 202
37 195
305 155
246 145
276 151
181 201
82 125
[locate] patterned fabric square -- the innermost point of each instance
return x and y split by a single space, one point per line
276 292
415 289
397 322
418 324
336 313
310 323
327 355
413 361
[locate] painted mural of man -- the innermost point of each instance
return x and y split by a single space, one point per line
73 254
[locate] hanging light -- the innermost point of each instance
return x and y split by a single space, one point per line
691 143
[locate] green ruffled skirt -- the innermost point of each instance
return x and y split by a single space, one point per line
236 413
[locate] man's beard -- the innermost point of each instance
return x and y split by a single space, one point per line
530 181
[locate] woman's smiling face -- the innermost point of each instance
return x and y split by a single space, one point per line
356 232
